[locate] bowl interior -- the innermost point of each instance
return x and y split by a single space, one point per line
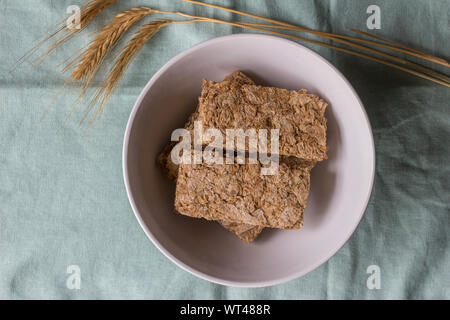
340 186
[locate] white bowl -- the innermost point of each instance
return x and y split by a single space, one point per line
340 186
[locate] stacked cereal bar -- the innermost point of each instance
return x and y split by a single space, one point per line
299 116
245 232
237 195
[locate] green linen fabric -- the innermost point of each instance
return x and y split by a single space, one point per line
63 201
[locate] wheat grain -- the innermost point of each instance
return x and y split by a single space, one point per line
92 9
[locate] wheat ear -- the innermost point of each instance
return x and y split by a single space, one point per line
131 49
87 64
89 12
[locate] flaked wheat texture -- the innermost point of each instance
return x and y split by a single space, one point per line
245 232
239 193
298 115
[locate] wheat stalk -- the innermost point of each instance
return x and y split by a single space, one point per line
331 36
144 34
88 63
405 66
149 30
340 39
347 40
429 75
406 49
